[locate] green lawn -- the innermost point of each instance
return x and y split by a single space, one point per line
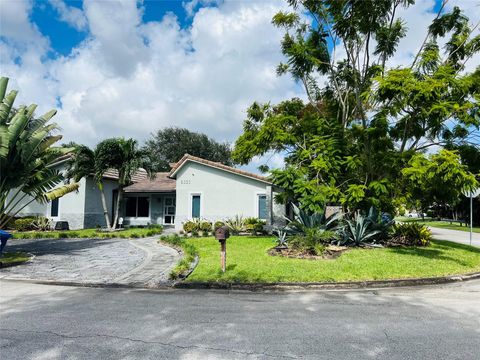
13 257
439 224
248 261
88 233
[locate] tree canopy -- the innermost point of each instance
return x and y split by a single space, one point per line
168 146
364 120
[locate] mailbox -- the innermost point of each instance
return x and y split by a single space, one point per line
222 233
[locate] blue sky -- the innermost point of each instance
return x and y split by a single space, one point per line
128 68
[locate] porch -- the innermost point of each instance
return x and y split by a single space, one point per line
141 209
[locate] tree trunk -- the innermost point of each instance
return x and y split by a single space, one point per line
117 206
104 205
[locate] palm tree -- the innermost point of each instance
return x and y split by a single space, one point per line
124 156
85 162
27 156
118 154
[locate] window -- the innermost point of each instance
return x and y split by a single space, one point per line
262 207
137 207
54 208
195 206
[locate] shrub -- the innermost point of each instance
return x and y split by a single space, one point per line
188 226
254 225
236 224
218 224
24 224
135 235
205 226
41 223
307 244
411 234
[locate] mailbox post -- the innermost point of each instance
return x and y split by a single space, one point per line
222 234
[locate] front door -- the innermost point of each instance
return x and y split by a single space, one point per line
169 210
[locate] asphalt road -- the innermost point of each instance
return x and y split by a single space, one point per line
54 322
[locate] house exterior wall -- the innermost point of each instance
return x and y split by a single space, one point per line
93 209
223 194
70 206
156 203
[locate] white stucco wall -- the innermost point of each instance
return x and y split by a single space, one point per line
223 194
70 207
93 209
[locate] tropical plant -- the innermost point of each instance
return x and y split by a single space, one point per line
304 220
115 153
41 223
205 226
236 224
357 231
27 156
411 234
281 239
362 120
86 162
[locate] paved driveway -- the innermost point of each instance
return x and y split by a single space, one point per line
141 262
462 237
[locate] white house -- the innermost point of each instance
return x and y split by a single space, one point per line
194 188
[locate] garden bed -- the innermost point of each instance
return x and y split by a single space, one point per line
248 261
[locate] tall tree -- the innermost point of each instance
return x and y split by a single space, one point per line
27 156
170 144
86 162
363 121
122 155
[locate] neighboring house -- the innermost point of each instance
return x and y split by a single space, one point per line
194 188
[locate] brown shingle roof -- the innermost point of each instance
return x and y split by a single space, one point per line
161 183
113 175
217 165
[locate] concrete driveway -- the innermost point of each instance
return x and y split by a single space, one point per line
462 237
136 262
52 322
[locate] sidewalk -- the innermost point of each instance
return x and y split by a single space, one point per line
461 237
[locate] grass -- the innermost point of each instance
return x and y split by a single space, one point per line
440 224
89 233
13 257
189 251
248 261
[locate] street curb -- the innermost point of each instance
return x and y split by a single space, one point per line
331 285
353 285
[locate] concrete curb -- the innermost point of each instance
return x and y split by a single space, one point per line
354 285
331 285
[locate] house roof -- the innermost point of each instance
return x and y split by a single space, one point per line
186 158
112 174
161 183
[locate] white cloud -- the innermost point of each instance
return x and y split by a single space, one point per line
191 5
70 14
130 78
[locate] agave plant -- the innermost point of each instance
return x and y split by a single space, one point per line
304 221
26 156
358 231
236 224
